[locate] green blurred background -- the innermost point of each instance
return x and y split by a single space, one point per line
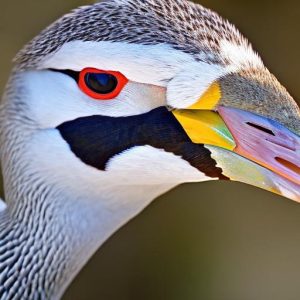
210 241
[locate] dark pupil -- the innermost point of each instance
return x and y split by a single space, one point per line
101 83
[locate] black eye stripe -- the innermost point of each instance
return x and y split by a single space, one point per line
71 73
97 139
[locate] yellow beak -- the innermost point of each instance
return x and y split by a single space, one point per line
205 127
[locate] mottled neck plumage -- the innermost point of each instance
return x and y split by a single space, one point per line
33 253
45 240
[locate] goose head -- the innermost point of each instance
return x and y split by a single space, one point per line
177 65
120 101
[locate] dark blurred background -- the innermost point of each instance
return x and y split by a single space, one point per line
210 241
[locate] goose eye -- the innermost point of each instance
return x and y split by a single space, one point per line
101 85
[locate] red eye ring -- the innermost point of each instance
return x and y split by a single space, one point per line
117 83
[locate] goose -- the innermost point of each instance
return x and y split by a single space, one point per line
115 104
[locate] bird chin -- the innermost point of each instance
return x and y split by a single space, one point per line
241 169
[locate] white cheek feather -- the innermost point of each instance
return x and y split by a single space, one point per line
146 165
188 86
240 56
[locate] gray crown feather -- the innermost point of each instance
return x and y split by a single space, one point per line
186 26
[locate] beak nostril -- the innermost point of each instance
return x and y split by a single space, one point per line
288 164
261 128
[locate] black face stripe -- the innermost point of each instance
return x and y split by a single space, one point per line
71 73
96 139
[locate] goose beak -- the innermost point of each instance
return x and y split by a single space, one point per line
248 147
